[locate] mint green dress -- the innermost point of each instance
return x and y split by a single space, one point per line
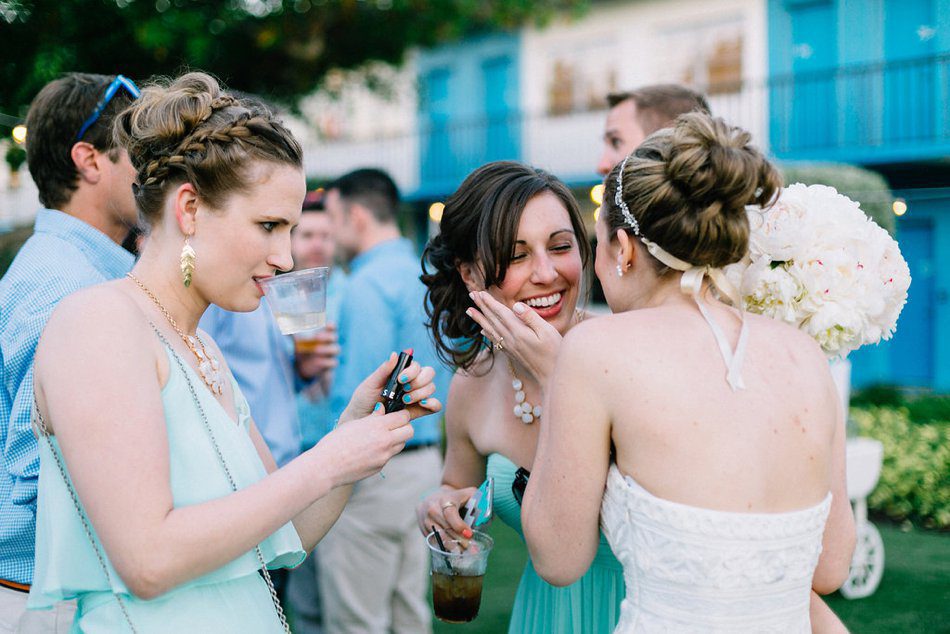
591 605
233 598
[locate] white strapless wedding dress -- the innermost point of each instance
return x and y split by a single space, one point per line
692 570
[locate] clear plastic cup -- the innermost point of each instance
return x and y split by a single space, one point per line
298 299
457 575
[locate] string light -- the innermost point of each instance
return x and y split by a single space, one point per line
899 206
597 194
435 211
19 134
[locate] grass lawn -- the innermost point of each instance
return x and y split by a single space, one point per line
914 595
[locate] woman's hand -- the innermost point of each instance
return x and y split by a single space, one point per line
362 447
441 510
416 379
520 332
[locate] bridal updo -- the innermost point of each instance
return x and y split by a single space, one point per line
688 186
480 226
190 130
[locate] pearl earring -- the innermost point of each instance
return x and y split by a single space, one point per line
619 271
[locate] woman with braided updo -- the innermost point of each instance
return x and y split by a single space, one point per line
708 444
160 507
514 234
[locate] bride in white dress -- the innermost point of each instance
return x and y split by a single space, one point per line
708 443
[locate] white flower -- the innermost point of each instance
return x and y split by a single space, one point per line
818 262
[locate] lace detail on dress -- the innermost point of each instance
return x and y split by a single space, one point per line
689 569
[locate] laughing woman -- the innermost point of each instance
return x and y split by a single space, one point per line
159 503
516 233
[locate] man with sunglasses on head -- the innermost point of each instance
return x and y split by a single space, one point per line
85 185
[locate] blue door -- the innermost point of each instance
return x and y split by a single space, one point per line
912 349
814 115
438 164
501 110
910 103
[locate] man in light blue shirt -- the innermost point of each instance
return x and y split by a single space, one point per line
313 245
372 565
85 183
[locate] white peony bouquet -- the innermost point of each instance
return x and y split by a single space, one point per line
816 261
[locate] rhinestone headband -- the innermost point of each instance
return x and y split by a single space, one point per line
619 201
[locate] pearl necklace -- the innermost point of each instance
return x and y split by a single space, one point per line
208 366
523 409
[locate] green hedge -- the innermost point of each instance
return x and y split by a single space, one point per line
922 408
915 476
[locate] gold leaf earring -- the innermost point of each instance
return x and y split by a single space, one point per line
187 260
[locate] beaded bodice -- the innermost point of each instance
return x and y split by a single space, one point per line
689 569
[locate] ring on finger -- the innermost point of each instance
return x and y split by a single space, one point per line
499 345
447 505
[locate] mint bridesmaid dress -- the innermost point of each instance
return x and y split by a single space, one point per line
591 605
233 598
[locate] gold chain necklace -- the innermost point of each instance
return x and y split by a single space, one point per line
208 366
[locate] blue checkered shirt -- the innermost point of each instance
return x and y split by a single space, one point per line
63 255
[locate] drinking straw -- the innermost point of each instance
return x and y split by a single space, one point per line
438 538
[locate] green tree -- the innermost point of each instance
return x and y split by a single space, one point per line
275 48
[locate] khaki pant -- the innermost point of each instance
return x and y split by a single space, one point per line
16 619
373 564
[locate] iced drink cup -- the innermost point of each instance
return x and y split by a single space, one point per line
298 299
307 341
457 575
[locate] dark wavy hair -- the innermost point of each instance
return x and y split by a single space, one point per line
480 226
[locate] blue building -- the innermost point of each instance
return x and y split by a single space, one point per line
865 82
469 109
868 82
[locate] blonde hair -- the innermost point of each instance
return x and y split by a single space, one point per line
190 130
688 186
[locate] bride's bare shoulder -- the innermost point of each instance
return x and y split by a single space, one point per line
800 345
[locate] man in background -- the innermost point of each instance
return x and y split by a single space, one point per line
313 245
85 185
636 114
372 564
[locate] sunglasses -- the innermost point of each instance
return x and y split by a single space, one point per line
519 484
121 81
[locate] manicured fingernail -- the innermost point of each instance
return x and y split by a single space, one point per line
519 308
467 533
423 401
472 295
406 398
377 406
403 378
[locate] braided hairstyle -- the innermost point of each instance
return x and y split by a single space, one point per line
189 130
480 226
688 187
